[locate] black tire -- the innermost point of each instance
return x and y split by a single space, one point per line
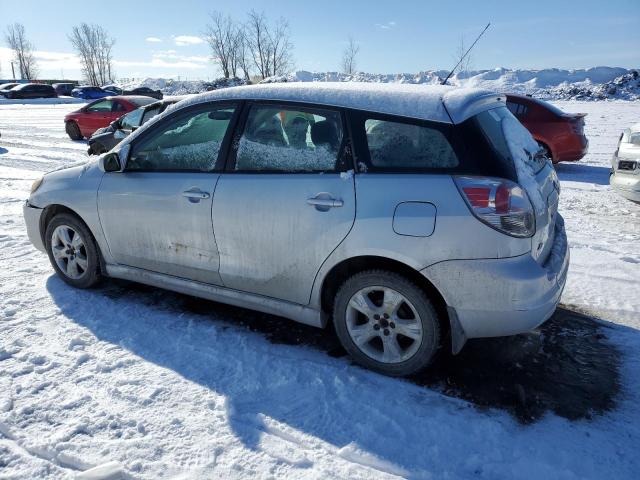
73 130
427 316
90 276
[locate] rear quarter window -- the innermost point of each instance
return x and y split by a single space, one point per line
387 143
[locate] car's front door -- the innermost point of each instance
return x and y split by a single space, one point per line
284 202
156 214
96 116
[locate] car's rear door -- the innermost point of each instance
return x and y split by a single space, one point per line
284 202
156 214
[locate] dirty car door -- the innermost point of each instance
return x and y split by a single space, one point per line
156 214
285 202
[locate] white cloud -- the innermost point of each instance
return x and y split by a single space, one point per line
153 39
386 26
47 60
173 55
160 63
185 40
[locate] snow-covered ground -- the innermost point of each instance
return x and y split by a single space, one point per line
126 380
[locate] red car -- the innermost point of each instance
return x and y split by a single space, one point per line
100 113
560 134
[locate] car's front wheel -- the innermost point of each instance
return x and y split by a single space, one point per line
386 323
73 131
72 251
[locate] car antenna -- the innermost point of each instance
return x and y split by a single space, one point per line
444 82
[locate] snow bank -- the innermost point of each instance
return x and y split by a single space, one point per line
170 86
596 83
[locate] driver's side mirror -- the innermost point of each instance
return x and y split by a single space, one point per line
116 124
110 162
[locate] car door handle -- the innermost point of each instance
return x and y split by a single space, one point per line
195 194
325 201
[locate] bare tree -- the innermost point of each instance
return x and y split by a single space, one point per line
243 54
22 51
466 63
280 47
223 36
269 45
349 57
94 46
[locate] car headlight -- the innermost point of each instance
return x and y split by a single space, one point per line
35 185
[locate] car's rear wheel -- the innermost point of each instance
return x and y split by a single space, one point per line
73 131
72 251
386 323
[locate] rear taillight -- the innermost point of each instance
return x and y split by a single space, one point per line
500 203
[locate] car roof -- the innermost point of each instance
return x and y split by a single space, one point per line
439 103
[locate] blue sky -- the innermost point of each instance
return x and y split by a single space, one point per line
394 36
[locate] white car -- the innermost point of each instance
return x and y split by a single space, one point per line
625 174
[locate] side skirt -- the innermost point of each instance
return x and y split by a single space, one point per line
292 311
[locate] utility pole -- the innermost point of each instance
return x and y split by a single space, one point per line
13 71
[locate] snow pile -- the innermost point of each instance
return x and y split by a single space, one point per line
170 86
596 83
624 87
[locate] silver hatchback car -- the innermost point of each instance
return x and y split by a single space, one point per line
410 217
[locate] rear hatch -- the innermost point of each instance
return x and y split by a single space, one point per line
538 177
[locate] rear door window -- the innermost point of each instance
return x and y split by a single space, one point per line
290 139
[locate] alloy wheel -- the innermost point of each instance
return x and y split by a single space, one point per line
384 324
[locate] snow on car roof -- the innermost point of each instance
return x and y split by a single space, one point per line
428 102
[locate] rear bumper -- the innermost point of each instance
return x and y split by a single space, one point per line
499 297
573 151
626 184
32 221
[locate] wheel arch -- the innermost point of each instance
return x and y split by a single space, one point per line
350 266
547 145
54 209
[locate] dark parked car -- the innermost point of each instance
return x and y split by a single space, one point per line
90 93
104 139
560 134
64 88
5 87
99 114
146 91
31 90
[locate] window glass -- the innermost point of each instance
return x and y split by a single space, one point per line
150 113
190 141
398 145
131 119
634 138
290 140
118 107
103 106
518 109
